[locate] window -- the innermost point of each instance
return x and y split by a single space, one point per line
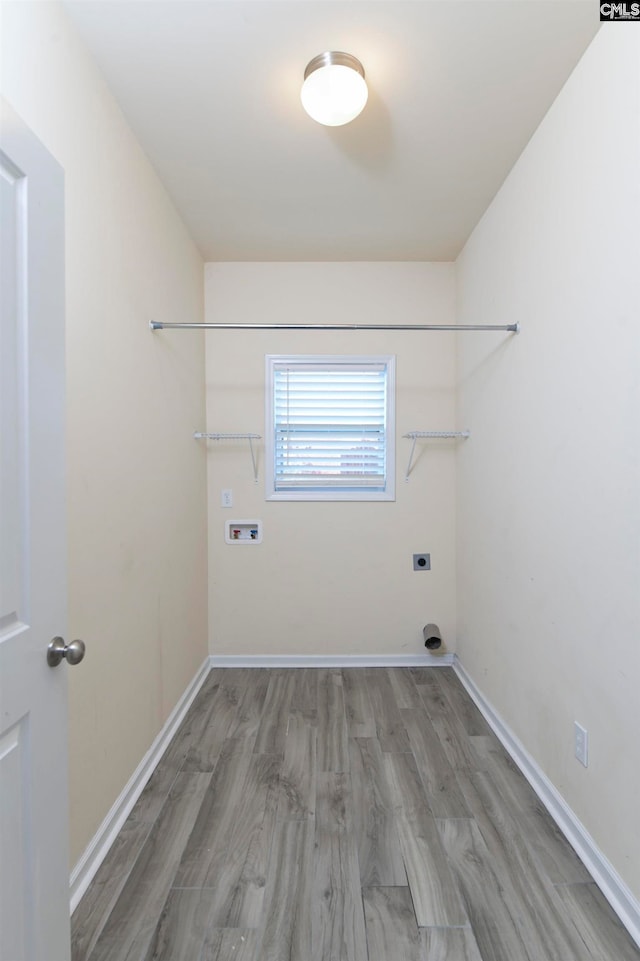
330 428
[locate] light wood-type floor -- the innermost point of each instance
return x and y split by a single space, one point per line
341 815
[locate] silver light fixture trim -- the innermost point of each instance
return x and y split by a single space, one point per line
334 57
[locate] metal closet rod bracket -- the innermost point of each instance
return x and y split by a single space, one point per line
456 328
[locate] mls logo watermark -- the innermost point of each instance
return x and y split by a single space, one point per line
620 11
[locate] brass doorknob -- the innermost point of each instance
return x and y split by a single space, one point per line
58 650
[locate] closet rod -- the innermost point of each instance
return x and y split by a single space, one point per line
158 325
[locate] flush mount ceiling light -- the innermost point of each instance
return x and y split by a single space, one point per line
334 91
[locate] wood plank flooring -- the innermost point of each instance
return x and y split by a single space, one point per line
341 815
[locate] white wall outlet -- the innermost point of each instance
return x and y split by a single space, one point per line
581 741
226 498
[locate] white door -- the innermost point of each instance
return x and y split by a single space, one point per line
34 873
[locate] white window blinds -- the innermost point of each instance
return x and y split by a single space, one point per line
330 426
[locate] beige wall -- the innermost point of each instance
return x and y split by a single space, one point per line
136 491
331 578
549 505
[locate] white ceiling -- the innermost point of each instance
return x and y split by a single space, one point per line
211 89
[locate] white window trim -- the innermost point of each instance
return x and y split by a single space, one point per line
389 494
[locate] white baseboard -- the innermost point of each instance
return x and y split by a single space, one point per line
97 850
332 660
604 874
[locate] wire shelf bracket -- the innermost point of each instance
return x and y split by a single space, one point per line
202 435
415 435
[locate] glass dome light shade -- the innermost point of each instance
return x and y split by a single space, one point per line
334 91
